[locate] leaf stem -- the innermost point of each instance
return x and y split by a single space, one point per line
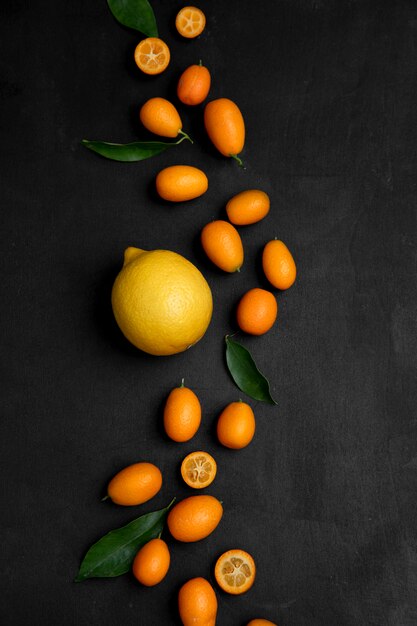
171 503
185 136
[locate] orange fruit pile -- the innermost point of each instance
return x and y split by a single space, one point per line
196 517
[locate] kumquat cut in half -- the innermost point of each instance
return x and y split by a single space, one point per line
190 22
152 55
198 469
235 571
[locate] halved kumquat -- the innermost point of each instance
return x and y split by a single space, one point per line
190 22
198 469
152 55
235 571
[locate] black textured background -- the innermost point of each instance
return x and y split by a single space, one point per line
325 496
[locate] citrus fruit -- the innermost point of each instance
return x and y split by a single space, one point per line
178 183
152 55
248 207
160 117
151 563
197 603
223 245
225 127
235 571
278 264
194 85
135 484
190 22
182 414
161 302
236 425
194 518
198 469
257 311
260 622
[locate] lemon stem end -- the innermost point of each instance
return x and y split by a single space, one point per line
131 253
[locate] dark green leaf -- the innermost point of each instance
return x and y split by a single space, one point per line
129 152
113 554
136 14
244 372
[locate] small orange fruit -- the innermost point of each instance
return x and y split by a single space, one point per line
194 518
179 183
235 571
197 603
135 484
260 622
182 414
223 245
198 469
257 311
190 22
225 127
194 85
278 264
248 207
236 425
151 563
159 116
152 55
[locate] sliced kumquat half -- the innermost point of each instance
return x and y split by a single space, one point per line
198 469
235 571
152 55
190 22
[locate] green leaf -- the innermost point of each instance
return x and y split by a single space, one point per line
113 554
136 14
130 152
244 372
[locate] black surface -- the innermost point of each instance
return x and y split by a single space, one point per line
324 497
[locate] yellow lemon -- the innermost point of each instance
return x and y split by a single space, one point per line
161 302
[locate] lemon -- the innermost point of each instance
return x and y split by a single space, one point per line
161 301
